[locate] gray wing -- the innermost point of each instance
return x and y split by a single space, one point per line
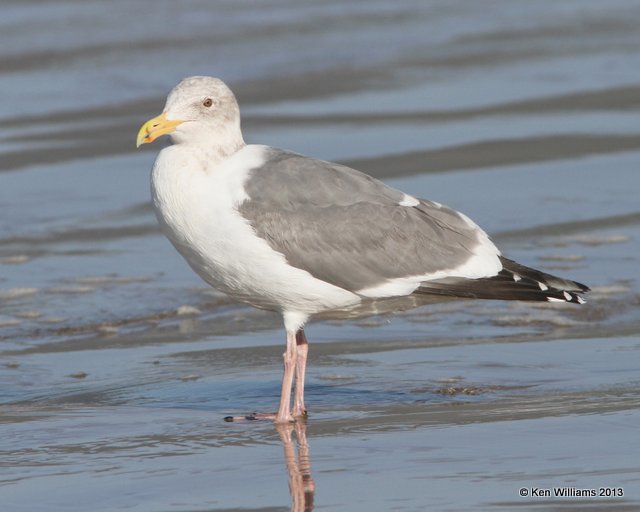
347 228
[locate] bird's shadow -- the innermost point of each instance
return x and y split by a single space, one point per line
298 463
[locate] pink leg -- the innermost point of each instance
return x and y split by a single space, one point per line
295 363
284 412
302 346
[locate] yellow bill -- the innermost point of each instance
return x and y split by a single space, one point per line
154 128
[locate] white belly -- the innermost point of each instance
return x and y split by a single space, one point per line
197 211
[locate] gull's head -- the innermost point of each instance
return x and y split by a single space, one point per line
201 110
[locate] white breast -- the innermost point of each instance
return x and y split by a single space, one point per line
197 210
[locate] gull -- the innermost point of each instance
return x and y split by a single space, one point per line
309 238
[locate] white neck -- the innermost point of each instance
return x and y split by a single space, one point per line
217 142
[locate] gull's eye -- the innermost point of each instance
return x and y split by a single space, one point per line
207 102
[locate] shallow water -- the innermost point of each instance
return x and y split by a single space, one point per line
117 364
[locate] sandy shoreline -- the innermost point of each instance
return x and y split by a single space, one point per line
117 364
106 131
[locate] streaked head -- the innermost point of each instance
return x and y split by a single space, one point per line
200 109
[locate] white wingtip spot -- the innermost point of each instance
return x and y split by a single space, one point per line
554 299
581 300
543 286
408 200
567 295
516 278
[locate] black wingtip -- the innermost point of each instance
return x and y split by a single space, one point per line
566 296
513 282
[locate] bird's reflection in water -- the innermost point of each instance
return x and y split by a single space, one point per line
301 484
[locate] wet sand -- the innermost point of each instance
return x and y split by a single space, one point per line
117 365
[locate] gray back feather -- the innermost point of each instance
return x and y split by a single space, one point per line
347 228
